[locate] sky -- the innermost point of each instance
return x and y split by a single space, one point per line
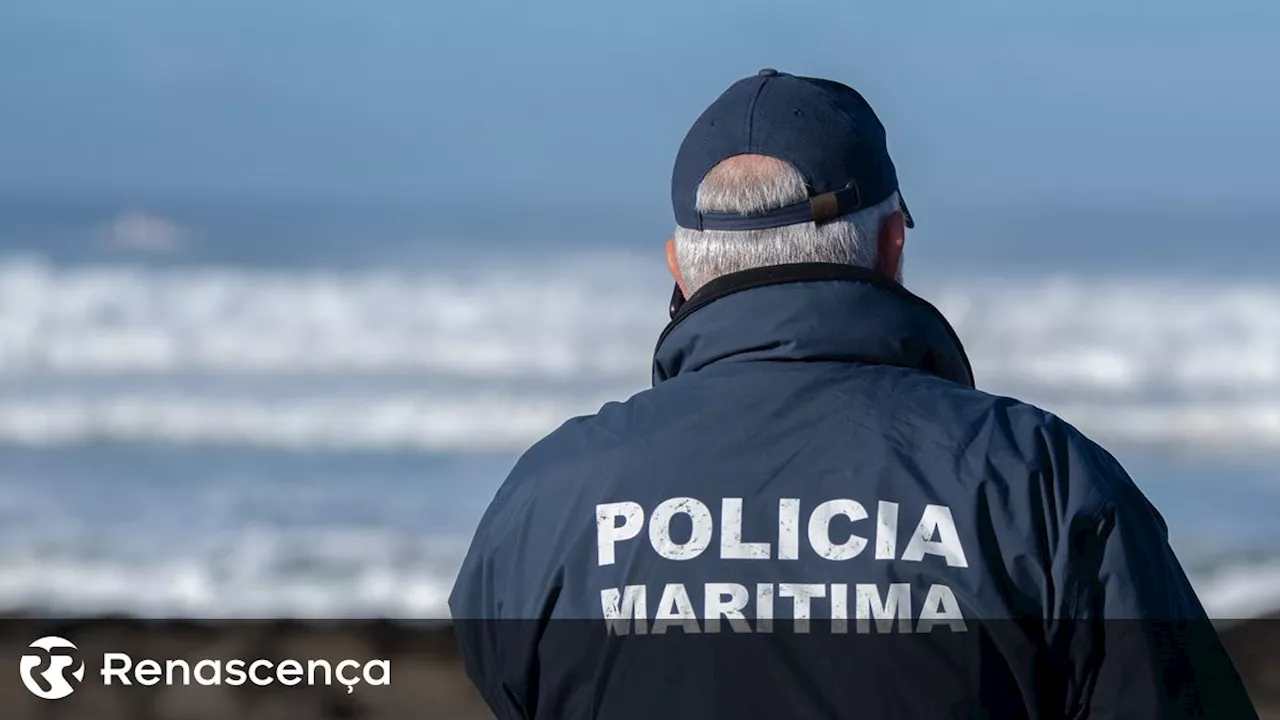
568 103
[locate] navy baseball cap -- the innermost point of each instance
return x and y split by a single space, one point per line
825 130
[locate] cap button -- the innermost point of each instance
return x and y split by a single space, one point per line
767 72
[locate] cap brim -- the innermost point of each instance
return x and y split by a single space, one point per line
906 214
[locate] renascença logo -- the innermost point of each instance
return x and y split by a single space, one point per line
48 674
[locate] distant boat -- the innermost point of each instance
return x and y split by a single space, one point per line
144 232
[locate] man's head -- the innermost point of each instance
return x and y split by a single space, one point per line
783 169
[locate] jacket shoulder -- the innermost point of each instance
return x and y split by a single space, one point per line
983 426
566 452
968 420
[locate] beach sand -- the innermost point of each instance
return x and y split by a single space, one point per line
427 680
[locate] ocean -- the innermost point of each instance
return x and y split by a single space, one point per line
294 412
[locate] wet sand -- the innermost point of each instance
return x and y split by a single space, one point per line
428 680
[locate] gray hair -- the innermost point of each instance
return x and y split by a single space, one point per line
755 183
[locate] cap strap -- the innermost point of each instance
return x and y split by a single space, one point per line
817 209
831 205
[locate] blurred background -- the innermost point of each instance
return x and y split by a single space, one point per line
286 288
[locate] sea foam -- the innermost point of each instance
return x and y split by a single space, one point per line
82 349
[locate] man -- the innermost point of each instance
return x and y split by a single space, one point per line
813 512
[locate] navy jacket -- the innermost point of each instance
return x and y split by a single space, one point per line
814 514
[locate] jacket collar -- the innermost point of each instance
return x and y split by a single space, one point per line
809 311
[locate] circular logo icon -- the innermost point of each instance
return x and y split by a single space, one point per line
49 672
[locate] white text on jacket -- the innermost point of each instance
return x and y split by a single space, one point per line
833 533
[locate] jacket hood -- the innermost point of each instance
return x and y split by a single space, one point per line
809 312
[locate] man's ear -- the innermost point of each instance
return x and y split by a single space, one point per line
673 265
893 236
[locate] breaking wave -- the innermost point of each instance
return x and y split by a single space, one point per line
1240 591
482 422
324 574
82 350
501 324
488 422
